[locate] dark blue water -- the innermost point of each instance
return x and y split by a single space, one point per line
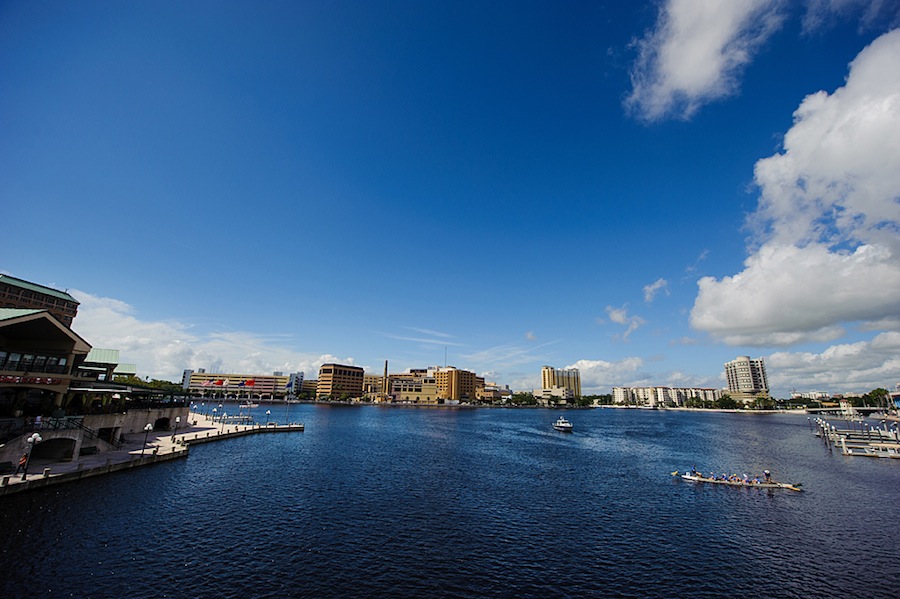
406 502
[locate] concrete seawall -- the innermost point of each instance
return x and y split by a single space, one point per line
160 446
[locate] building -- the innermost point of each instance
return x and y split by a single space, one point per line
212 384
554 396
653 397
454 385
747 379
339 381
565 378
418 388
40 358
17 293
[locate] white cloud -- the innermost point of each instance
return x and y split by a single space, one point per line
696 53
530 336
828 219
850 367
787 295
620 316
655 287
822 13
600 376
164 349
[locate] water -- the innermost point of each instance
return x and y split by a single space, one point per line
407 502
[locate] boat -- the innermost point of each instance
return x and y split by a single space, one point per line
771 484
563 425
248 404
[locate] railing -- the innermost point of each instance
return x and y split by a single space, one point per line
19 366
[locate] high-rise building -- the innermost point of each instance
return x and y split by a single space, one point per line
746 378
564 378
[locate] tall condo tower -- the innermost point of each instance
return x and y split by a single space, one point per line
746 377
565 378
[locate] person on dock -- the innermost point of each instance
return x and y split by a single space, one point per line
22 462
768 476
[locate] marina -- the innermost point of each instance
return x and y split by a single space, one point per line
857 437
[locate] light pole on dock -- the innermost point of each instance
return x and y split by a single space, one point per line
177 422
147 430
31 442
268 413
224 416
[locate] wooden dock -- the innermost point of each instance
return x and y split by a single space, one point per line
859 438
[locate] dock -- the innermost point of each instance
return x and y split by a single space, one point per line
856 437
160 446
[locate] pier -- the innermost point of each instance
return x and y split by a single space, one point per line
156 447
860 438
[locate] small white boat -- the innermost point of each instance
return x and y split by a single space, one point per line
248 404
563 425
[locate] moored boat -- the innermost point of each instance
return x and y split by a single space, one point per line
563 425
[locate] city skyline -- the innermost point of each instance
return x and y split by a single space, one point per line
639 192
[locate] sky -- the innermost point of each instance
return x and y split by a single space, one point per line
643 191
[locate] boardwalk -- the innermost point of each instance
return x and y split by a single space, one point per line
160 446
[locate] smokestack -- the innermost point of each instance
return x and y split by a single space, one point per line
384 381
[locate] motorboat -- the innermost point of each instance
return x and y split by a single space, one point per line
563 425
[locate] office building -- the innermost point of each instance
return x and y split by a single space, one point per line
339 381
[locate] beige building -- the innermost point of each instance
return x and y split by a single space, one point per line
419 388
565 378
747 380
455 385
339 380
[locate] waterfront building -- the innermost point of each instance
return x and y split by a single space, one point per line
18 293
492 392
214 384
653 397
747 379
308 389
340 380
554 395
419 388
373 386
454 385
39 359
566 378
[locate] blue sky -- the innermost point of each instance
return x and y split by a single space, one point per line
640 190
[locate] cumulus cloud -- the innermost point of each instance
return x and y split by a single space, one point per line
620 316
850 367
600 376
657 286
164 349
828 219
695 54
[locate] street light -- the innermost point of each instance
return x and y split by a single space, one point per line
147 430
177 422
268 412
214 414
224 416
31 441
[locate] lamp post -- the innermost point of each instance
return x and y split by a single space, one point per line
147 430
224 416
214 414
177 422
268 413
31 442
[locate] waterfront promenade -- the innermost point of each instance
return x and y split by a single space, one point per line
139 450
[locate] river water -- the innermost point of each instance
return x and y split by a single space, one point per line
417 502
